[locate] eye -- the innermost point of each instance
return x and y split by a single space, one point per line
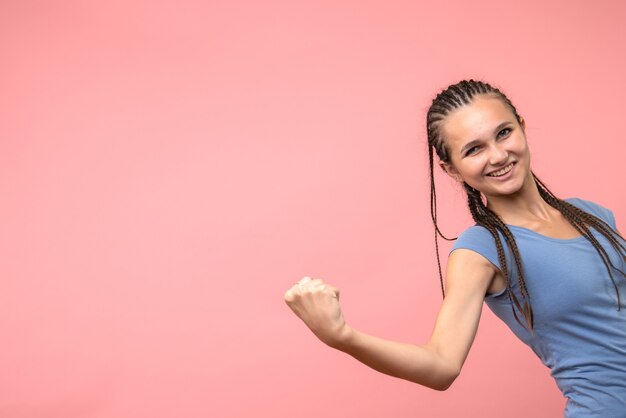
504 133
472 150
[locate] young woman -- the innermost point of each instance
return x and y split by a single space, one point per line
551 269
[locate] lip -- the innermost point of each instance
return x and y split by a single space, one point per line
505 176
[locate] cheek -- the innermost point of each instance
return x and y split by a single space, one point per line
522 145
472 168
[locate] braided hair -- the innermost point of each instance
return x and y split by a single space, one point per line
455 97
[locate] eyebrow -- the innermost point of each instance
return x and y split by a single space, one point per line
475 142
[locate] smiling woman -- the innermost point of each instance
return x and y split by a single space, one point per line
566 254
497 162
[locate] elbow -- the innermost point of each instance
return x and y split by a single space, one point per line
444 381
444 384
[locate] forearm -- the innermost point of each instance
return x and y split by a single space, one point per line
416 363
434 365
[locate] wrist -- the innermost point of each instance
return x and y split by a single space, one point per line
343 338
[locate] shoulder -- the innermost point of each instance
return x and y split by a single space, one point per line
594 209
479 240
474 235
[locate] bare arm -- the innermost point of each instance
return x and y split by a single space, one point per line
435 364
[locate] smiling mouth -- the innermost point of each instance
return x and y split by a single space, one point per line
502 171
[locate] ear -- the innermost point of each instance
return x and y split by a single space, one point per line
522 123
450 170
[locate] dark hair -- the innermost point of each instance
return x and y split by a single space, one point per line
461 94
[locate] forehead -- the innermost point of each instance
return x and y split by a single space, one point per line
476 120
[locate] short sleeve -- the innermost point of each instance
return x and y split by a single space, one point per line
479 240
594 209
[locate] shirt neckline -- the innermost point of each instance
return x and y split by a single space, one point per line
563 240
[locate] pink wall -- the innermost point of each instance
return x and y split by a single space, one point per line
168 169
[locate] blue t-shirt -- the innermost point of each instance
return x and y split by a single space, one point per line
578 331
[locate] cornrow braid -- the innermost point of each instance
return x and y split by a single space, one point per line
462 94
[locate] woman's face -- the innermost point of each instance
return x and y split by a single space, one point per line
487 147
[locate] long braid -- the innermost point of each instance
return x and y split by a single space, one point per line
485 217
581 221
433 214
461 94
575 215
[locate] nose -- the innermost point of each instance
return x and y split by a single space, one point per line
498 155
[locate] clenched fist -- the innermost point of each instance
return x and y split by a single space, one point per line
317 304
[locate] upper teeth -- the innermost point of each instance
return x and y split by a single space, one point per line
502 171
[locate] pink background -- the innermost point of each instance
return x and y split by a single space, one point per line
169 168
